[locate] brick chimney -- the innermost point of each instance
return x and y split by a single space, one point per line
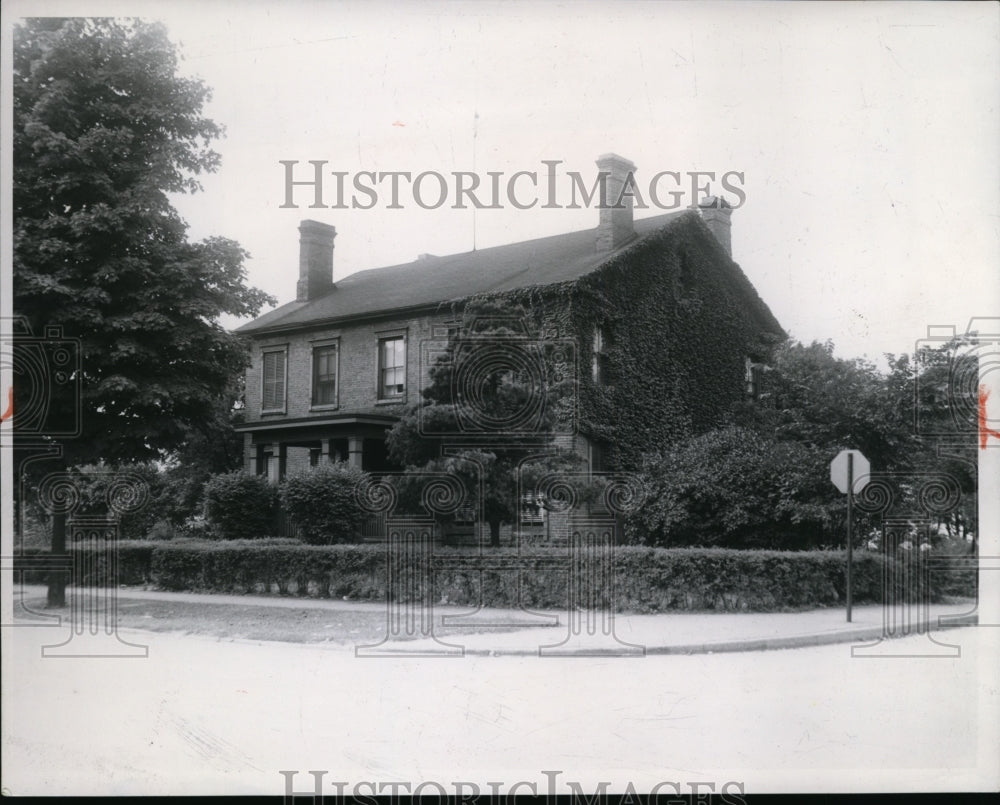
716 212
315 260
614 228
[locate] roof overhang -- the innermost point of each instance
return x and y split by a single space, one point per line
343 321
317 421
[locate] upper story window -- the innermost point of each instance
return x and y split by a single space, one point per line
273 380
599 362
324 375
391 367
752 378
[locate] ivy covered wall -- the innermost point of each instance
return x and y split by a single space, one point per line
678 319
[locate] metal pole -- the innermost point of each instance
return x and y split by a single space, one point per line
850 514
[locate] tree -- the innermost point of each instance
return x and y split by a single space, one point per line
908 421
490 416
104 130
210 446
739 488
814 398
938 389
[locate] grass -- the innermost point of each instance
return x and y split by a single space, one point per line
342 625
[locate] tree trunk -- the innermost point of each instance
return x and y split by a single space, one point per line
494 533
58 576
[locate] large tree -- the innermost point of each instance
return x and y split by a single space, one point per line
812 397
105 129
763 477
490 417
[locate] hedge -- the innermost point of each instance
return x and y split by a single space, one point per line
646 579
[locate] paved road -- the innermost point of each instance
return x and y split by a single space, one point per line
203 715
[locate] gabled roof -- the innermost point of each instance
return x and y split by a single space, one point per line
431 280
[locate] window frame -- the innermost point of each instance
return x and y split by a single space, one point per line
278 349
317 347
753 378
381 338
599 357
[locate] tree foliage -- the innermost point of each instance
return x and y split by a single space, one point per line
489 417
241 505
762 479
104 130
737 488
814 398
323 502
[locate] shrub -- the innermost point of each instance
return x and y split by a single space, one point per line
322 503
240 505
95 482
161 530
133 563
646 579
735 488
197 527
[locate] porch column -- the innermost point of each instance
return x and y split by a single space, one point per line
282 462
249 454
355 449
325 451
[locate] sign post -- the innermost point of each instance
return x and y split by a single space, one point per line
848 465
850 531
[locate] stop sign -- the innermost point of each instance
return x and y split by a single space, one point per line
838 470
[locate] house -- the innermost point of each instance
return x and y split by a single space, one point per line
668 329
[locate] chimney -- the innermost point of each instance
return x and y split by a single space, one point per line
315 260
615 228
716 212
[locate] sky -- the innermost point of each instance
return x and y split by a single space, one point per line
867 135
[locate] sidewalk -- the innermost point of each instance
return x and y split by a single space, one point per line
518 632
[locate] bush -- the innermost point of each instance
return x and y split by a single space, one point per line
240 505
133 563
161 530
735 488
646 579
322 503
95 482
197 527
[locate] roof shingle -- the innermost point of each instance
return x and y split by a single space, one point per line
430 280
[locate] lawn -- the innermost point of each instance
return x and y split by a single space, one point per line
347 626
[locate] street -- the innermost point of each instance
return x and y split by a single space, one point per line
209 715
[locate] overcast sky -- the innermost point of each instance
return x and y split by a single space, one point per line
867 135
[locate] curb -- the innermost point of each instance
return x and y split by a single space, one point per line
872 635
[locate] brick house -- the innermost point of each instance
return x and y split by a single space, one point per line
668 329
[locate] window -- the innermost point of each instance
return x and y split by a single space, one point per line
596 457
532 510
599 363
324 375
752 379
273 397
391 367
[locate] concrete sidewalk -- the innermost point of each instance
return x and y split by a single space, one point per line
559 633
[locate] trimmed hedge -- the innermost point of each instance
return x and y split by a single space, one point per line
135 561
646 579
